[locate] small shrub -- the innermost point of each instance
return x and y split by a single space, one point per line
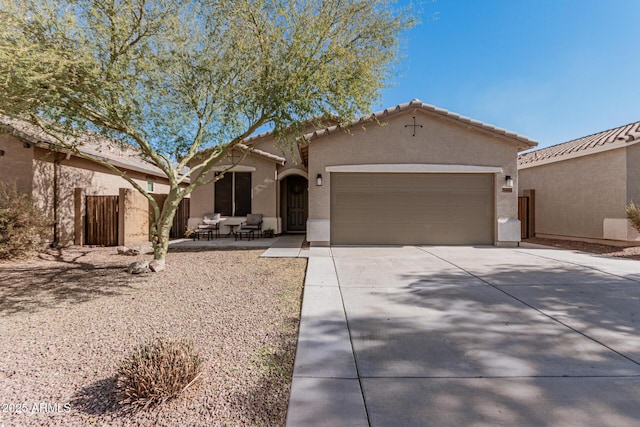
633 213
23 227
269 232
157 371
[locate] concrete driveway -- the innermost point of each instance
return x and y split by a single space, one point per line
419 336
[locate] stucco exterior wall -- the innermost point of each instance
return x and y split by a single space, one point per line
202 201
16 163
76 173
264 193
292 156
441 141
633 173
133 218
575 197
39 171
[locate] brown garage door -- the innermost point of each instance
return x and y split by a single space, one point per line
394 208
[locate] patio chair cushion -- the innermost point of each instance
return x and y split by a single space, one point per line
211 217
207 226
254 219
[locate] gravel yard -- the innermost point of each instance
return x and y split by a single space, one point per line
630 252
68 319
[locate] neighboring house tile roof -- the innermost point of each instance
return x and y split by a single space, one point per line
94 144
598 142
417 104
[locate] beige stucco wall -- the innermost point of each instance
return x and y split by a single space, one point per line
264 192
441 140
133 218
633 173
16 164
574 197
32 169
77 173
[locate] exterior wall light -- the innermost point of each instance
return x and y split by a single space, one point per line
508 181
319 180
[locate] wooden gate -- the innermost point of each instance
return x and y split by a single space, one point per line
101 221
180 220
523 216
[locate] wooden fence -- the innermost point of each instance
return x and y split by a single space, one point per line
523 216
101 221
180 220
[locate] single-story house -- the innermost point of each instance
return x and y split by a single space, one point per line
412 174
580 188
86 202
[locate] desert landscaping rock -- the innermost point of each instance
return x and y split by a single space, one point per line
139 267
145 248
157 265
123 250
67 320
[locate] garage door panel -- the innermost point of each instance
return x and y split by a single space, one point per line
412 208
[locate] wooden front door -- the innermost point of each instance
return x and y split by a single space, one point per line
297 197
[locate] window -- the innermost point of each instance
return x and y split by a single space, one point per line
233 194
149 186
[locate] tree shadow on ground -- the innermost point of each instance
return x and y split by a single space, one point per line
439 350
32 286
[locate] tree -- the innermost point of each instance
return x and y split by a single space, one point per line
174 77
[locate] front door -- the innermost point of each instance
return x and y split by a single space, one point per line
297 196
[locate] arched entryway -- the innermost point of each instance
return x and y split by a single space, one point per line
295 189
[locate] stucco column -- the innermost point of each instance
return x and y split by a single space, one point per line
79 195
133 217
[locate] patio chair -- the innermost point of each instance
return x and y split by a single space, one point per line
253 222
209 224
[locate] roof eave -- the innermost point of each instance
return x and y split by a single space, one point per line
524 143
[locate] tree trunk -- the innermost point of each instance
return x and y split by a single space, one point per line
161 243
161 228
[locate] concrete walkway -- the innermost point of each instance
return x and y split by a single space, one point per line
451 336
287 246
284 246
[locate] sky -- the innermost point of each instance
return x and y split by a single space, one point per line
552 70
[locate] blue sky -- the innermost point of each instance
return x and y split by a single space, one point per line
552 70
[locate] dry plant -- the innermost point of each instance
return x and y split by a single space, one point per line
23 227
633 213
157 371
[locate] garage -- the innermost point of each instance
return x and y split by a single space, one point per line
412 208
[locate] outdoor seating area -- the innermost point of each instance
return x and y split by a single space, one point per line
212 222
254 223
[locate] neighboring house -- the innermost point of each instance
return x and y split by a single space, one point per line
63 185
423 175
581 187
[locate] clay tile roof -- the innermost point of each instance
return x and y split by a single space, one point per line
417 104
117 153
278 159
608 139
